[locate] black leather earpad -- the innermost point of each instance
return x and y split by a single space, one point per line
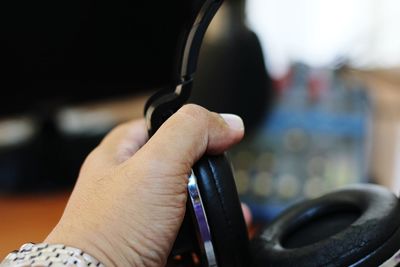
223 209
357 225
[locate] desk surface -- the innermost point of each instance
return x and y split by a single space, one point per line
28 218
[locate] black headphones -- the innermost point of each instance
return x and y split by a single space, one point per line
355 226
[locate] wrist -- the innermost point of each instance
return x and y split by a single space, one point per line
46 255
95 243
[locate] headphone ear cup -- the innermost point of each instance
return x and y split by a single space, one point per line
223 210
357 226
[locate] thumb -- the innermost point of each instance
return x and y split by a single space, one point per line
187 135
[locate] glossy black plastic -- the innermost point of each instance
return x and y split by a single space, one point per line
191 32
168 100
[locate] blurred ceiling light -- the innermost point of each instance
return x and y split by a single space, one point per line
16 131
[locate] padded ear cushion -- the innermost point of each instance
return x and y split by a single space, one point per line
223 210
358 225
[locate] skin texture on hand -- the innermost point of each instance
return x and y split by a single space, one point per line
130 198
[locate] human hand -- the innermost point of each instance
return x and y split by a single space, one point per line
130 198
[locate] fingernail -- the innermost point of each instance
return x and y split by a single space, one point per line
234 122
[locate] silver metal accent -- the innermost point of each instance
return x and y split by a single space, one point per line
192 34
393 261
201 218
149 113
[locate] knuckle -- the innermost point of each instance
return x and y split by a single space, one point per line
194 113
114 131
90 159
120 127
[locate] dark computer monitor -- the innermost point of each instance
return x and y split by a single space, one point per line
79 50
65 52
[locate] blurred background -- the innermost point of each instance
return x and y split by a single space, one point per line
315 81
